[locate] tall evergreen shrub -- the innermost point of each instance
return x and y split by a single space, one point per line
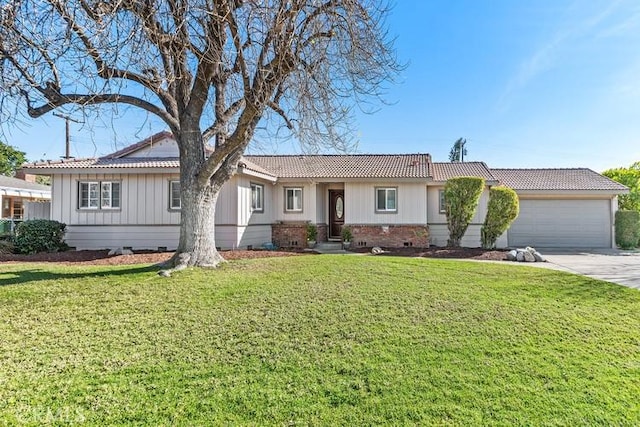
502 210
461 196
627 229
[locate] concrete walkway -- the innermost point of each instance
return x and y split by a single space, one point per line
616 266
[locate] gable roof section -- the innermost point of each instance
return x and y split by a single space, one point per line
21 184
140 145
345 166
556 179
443 171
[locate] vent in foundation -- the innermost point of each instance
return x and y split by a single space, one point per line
162 249
407 244
363 244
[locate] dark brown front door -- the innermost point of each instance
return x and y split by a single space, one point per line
336 213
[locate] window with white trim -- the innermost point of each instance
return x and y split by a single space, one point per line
174 195
257 197
98 195
293 199
387 199
442 207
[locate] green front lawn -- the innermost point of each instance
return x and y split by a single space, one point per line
317 340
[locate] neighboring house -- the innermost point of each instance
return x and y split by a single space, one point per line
15 193
131 198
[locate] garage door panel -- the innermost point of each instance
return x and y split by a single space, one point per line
562 223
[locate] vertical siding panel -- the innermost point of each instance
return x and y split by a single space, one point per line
141 202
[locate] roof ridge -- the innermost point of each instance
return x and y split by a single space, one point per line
338 155
139 145
541 169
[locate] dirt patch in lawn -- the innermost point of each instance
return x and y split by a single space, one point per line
149 257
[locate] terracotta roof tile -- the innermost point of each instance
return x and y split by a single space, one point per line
345 166
444 171
106 163
556 179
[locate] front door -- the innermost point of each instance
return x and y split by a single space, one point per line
336 213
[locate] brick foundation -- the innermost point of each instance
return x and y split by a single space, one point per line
294 234
322 232
390 236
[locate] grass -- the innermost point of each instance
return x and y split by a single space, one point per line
317 340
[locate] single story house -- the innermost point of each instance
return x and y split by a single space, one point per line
16 192
131 198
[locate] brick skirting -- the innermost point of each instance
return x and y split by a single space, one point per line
294 234
390 236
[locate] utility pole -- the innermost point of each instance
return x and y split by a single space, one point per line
67 146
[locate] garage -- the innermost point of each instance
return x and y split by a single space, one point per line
562 223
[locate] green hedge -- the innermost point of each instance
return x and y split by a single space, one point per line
502 210
627 229
39 235
461 196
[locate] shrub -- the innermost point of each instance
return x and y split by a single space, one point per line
627 229
6 247
312 232
461 196
502 210
347 235
39 235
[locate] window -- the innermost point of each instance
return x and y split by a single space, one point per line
441 204
99 195
174 195
386 199
257 197
293 199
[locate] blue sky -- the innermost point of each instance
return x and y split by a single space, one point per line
528 83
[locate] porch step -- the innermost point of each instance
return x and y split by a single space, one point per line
328 246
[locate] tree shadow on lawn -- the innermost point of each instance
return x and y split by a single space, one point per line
24 277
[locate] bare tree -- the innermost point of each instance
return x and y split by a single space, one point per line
210 69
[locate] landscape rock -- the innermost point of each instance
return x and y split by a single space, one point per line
511 255
120 251
377 250
520 255
538 256
528 256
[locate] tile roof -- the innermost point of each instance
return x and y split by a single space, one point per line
444 171
556 179
106 163
21 184
345 166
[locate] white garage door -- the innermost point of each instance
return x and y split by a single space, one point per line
562 224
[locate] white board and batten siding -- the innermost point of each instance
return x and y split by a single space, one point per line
144 220
563 223
360 203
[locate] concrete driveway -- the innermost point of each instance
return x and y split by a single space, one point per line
621 267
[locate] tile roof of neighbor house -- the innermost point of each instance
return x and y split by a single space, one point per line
346 166
556 179
443 171
21 184
106 163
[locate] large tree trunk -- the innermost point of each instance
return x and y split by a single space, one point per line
197 245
